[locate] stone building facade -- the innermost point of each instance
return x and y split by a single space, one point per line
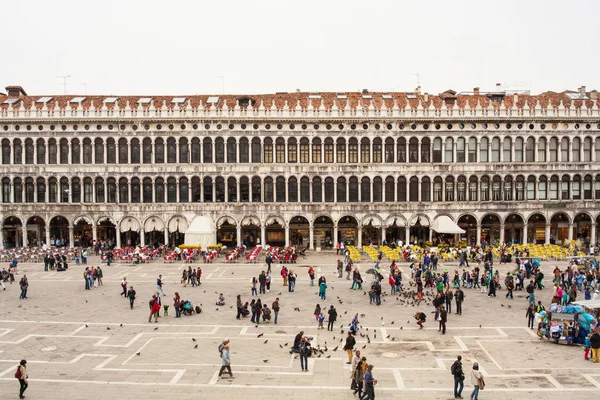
300 167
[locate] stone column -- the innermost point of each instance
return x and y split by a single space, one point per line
118 237
94 232
359 231
593 234
311 236
310 191
166 234
263 236
69 153
214 194
2 237
570 237
335 234
418 150
524 238
238 195
177 199
142 237
406 234
501 239
24 228
47 235
547 234
383 234
287 235
478 235
71 239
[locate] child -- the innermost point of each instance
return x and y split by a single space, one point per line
321 318
317 312
588 345
221 301
166 310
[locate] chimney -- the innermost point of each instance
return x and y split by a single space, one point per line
498 86
476 91
418 90
365 91
15 91
426 97
582 90
594 94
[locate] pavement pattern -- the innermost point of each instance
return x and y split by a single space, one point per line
89 345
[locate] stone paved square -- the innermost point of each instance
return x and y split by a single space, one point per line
89 345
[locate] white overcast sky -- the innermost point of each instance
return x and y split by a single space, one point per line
185 46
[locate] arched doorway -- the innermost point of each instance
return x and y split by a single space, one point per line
582 226
513 229
130 231
419 230
36 231
82 231
177 227
490 229
154 231
395 230
348 230
559 228
227 231
107 231
275 231
12 229
250 231
299 231
536 229
59 230
322 232
468 223
371 230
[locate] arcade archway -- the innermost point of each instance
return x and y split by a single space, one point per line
559 228
250 231
490 229
154 231
12 229
83 231
348 230
275 231
36 231
299 231
513 229
536 229
59 230
129 231
468 223
322 232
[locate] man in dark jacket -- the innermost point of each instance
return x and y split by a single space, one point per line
459 297
332 317
595 345
262 280
459 377
269 260
349 346
443 319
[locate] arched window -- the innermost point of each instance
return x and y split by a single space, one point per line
541 153
52 152
171 151
268 189
135 190
184 151
531 187
159 190
232 190
280 189
576 150
244 150
413 150
99 150
5 151
256 150
390 189
553 147
520 188
328 150
244 189
29 190
449 186
280 150
111 190
587 187
171 190
449 150
389 150
18 152
496 150
316 151
377 190
6 190
196 187
305 190
219 189
401 150
496 188
365 150
76 190
425 150
472 150
530 150
341 190
111 151
377 156
484 189
576 187
365 190
564 150
543 188
196 151
413 189
231 151
484 145
597 149
425 189
353 189
437 189
292 150
304 150
147 151
437 150
75 152
28 151
553 187
518 150
329 190
219 150
123 191
88 192
99 190
506 150
256 189
353 151
508 188
587 149
268 150
461 188
208 189
340 148
401 192
184 190
317 190
293 189
52 190
564 187
18 187
135 151
460 150
87 151
147 190
41 190
123 151
207 151
41 151
473 192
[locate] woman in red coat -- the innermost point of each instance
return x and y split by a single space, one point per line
154 309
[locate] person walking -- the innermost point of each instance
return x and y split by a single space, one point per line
595 345
369 382
477 381
239 306
21 375
253 284
292 281
443 319
459 297
305 352
154 309
124 287
530 314
159 285
131 297
459 377
323 291
177 305
85 277
276 307
24 284
357 377
225 362
332 314
449 297
269 261
349 346
262 280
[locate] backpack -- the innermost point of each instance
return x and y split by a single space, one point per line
198 310
455 368
221 347
18 373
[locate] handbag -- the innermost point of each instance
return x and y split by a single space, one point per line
481 384
353 384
